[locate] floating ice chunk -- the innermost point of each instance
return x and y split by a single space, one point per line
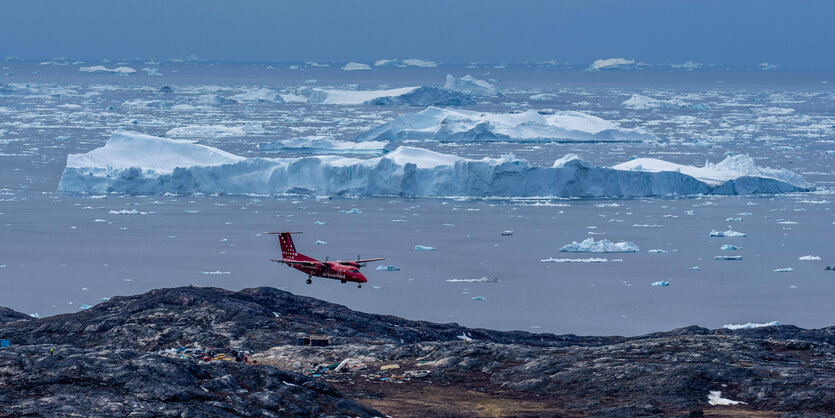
658 251
352 97
387 268
733 219
728 257
660 283
424 248
471 126
647 226
35 315
695 268
351 211
320 223
140 164
324 145
104 299
602 246
152 71
477 298
783 270
612 64
715 398
215 273
100 69
127 212
85 307
574 260
751 325
809 258
318 242
62 138
767 67
470 85
483 279
507 233
729 247
727 234
258 95
425 96
638 101
210 131
356 66
689 65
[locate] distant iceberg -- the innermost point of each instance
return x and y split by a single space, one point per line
209 131
450 125
134 163
470 85
351 97
602 246
324 145
612 64
356 66
425 96
727 234
260 95
411 62
638 101
100 69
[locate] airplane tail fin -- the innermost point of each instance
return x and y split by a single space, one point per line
288 249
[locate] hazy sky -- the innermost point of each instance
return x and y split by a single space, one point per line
452 31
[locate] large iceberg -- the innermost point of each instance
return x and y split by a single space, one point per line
602 246
612 64
356 66
351 97
323 145
426 96
470 85
134 163
100 69
450 125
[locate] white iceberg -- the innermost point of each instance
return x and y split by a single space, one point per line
727 234
411 62
424 248
259 95
356 66
728 258
809 258
450 125
661 283
351 97
134 163
425 96
574 260
387 268
783 270
205 131
100 69
324 145
751 325
729 247
602 246
470 85
612 64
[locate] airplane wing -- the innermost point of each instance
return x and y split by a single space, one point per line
367 260
306 263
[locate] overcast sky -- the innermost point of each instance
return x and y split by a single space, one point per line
454 31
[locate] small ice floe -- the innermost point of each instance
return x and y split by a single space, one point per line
751 325
783 270
646 226
319 242
507 233
375 287
728 257
351 211
729 247
387 268
574 260
214 273
733 219
477 298
320 223
695 268
62 138
424 248
84 307
191 211
483 279
660 283
727 234
35 315
127 212
786 222
104 299
602 246
99 220
809 258
715 398
658 251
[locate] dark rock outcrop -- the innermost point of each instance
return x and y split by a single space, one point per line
107 362
8 315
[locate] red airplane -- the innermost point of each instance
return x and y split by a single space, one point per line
345 271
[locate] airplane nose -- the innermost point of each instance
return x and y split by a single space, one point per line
361 278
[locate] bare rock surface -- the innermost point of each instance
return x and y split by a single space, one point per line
107 361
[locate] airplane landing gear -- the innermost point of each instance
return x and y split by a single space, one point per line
344 281
359 285
309 281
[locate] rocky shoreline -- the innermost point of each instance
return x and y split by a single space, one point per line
108 361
